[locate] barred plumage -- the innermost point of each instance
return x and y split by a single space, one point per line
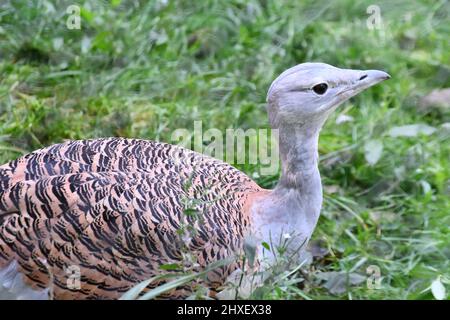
113 207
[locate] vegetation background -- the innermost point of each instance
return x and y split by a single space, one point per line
145 68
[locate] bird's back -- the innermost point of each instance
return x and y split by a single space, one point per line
111 212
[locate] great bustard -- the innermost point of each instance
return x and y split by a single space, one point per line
112 207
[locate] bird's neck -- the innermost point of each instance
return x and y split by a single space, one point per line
293 207
299 185
299 157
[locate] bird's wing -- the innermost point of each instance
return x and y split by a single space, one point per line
62 213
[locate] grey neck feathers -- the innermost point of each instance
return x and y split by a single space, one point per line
294 205
299 157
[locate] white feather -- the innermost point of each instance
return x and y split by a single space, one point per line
12 286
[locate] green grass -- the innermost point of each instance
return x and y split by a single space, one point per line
145 68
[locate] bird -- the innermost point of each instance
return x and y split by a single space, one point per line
110 210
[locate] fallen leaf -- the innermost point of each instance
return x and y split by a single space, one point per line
439 98
336 282
318 248
425 186
85 45
445 126
438 289
412 130
331 189
372 151
58 43
380 216
343 118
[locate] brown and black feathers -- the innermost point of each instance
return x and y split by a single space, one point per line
114 209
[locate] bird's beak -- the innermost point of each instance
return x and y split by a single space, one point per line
356 81
361 81
373 77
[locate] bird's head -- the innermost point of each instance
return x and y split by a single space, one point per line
309 92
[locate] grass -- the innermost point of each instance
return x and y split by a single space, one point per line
145 68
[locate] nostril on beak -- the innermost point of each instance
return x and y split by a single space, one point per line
363 77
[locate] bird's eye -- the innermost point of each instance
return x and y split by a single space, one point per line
320 88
